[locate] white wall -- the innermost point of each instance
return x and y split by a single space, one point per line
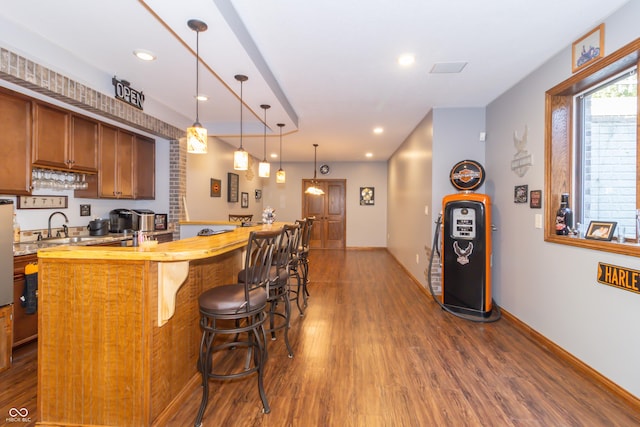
366 225
410 190
419 178
551 287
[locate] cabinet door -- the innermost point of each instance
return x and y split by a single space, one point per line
25 326
83 150
15 144
50 137
5 337
144 166
107 175
124 164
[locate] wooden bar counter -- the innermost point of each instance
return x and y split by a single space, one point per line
118 328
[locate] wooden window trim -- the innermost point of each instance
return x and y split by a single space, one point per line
558 142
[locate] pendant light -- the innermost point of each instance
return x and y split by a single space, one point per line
281 176
240 156
264 169
314 190
196 134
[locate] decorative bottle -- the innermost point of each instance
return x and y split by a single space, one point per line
564 217
16 229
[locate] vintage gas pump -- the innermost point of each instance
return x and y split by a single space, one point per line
466 243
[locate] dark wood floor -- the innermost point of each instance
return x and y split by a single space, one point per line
374 350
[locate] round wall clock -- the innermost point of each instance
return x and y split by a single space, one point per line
325 169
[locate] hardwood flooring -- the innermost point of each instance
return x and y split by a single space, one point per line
374 350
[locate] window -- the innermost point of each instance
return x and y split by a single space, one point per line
606 119
591 148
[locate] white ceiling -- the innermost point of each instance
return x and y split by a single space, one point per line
328 68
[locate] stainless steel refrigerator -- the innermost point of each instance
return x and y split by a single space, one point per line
6 252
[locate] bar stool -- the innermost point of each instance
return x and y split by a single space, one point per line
234 310
304 253
278 289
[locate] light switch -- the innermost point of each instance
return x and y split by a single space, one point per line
538 221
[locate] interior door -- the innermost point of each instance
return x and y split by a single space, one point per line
329 209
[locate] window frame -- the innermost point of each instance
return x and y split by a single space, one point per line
559 155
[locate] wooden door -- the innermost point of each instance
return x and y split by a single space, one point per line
329 209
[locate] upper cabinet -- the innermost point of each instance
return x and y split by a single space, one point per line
63 140
15 143
126 166
144 168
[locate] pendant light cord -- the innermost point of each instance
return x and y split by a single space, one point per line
197 74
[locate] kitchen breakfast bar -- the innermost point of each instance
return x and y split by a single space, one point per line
119 327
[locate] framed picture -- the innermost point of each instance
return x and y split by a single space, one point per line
258 194
367 196
535 199
600 230
244 203
160 222
216 187
232 187
520 193
587 49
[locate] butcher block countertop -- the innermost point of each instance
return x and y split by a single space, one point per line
192 248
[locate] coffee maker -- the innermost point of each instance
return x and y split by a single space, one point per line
120 220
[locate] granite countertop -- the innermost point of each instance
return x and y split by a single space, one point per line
31 247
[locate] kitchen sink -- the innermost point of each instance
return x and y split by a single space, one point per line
68 240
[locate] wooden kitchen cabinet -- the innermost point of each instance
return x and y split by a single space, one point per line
126 166
63 140
115 179
25 326
6 329
15 143
144 166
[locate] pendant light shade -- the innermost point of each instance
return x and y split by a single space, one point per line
240 156
314 189
264 169
196 134
281 176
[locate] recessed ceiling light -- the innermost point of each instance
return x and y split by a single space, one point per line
144 55
274 155
448 67
378 130
369 155
202 97
406 59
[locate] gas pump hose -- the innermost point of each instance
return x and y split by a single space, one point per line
495 315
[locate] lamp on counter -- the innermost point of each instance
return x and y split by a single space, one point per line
313 189
264 169
240 156
196 134
281 176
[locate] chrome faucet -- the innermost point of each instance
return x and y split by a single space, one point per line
66 220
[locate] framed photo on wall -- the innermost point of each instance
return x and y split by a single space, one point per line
216 187
244 201
520 193
587 49
535 199
232 187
